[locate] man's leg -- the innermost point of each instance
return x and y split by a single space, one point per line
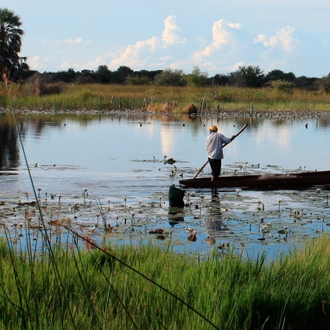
215 165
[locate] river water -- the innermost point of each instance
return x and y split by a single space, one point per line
97 170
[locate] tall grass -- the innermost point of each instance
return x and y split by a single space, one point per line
147 287
164 99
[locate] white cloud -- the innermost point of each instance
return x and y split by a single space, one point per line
287 41
236 26
65 65
37 62
145 52
70 41
135 55
99 60
283 38
172 32
235 66
226 47
172 50
223 35
220 34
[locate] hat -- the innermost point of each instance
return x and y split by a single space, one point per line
213 128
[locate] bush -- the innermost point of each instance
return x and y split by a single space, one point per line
38 86
281 86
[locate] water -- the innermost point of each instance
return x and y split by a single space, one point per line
119 161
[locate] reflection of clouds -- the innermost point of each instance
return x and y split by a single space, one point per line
167 140
277 135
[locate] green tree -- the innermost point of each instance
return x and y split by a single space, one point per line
279 75
249 76
169 77
121 74
196 77
66 76
10 43
103 74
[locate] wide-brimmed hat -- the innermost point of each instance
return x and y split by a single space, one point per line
213 128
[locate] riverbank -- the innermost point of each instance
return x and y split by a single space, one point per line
244 114
162 99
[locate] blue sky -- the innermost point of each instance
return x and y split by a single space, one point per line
218 36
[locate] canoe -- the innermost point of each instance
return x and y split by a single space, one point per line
299 180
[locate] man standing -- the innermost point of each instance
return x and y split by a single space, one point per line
213 147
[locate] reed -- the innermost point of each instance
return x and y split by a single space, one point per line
144 287
164 99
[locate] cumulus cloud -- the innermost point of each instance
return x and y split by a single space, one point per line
224 34
136 54
145 52
172 32
172 50
283 39
227 46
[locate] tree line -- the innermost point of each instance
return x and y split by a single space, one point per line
16 69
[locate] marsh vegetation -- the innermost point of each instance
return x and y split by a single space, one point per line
162 99
139 287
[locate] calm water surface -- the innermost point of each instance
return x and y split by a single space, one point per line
119 161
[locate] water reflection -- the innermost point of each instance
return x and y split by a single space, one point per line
9 152
176 205
121 158
68 137
214 224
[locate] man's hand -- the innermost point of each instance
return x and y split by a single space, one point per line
233 137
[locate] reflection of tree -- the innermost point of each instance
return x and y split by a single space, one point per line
322 123
9 152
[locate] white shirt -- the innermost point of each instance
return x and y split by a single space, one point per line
213 145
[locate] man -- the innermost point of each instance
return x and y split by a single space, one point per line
213 146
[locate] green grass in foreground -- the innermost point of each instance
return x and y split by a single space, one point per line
161 98
97 289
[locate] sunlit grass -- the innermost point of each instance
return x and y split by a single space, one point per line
164 99
74 288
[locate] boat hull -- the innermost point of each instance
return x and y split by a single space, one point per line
263 182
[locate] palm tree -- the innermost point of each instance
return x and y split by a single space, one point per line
10 43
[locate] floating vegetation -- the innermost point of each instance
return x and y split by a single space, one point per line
242 218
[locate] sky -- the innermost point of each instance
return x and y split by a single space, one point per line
217 36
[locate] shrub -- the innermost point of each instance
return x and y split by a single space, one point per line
282 86
38 86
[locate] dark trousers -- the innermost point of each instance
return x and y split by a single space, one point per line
215 165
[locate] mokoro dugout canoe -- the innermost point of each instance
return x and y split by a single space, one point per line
299 180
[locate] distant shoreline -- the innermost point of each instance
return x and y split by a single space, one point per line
220 101
274 114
